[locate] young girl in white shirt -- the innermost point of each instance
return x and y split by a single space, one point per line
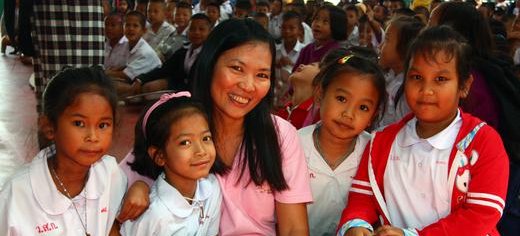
71 187
173 145
352 91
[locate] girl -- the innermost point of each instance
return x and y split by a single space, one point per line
328 27
71 187
173 137
398 37
439 170
260 165
352 90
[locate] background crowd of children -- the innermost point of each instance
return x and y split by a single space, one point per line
406 117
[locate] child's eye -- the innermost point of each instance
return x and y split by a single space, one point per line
341 99
207 138
364 107
104 125
415 77
441 79
185 142
78 123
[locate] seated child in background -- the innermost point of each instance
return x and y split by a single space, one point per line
182 18
242 9
439 170
353 15
213 13
73 180
262 19
122 7
141 59
287 53
351 94
263 6
170 10
116 45
173 145
158 29
173 74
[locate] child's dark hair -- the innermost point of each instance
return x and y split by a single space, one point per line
408 27
352 8
214 4
201 16
115 14
185 5
157 131
140 17
337 21
157 1
292 15
63 89
244 5
350 62
443 39
263 3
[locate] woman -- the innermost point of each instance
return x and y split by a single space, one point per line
260 164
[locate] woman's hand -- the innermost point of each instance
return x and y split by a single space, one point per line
135 202
387 230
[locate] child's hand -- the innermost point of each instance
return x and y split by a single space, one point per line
136 201
284 61
387 230
358 231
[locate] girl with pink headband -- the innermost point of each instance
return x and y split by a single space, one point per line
174 146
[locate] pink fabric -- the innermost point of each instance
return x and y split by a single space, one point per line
130 174
249 209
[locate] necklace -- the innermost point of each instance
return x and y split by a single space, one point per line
335 164
70 198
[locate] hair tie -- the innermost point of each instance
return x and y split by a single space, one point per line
164 98
344 59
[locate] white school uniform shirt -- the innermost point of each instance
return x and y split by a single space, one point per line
170 214
292 55
392 113
115 57
226 10
142 59
153 39
329 187
416 176
275 24
32 205
308 37
191 56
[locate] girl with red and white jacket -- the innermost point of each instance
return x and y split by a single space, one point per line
439 171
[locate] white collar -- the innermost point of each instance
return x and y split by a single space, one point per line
441 140
45 191
175 202
137 45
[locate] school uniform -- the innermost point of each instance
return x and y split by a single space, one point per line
154 38
248 209
453 183
308 37
32 205
170 214
115 57
296 114
329 187
292 54
275 24
393 112
141 59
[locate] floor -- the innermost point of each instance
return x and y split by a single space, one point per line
18 119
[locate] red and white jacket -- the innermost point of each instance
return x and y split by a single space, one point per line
478 175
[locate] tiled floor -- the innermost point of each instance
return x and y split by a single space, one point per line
18 119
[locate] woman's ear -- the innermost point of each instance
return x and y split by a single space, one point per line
157 155
466 87
46 127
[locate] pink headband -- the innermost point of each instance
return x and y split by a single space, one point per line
164 98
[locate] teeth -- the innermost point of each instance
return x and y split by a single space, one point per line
239 99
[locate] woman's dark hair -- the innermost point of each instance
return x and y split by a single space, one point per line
63 89
350 62
468 22
158 127
337 21
260 142
443 39
407 27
